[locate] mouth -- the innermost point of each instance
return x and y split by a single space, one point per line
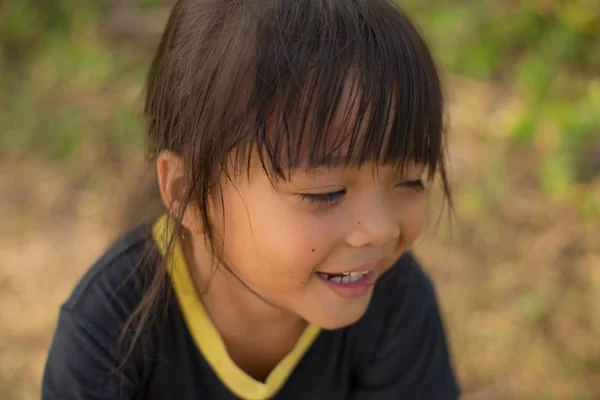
354 283
345 278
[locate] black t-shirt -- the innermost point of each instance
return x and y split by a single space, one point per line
397 350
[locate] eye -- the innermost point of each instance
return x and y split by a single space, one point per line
416 184
323 199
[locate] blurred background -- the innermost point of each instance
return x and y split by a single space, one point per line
518 270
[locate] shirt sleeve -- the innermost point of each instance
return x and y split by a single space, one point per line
82 365
411 359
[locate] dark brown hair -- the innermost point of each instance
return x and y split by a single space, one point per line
233 78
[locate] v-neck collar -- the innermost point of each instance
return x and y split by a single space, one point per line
207 338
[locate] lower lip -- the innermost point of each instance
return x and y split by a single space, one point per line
351 290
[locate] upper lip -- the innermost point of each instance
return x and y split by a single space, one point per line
368 267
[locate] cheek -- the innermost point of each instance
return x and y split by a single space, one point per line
273 245
291 246
413 219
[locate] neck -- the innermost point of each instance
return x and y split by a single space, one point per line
235 311
231 305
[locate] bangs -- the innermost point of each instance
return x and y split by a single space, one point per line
351 86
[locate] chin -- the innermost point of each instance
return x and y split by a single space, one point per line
330 322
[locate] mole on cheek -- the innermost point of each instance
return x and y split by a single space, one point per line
359 222
313 250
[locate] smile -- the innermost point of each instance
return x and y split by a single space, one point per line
344 277
354 283
349 285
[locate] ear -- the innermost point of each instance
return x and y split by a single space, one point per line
172 182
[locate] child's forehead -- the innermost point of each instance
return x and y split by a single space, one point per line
345 117
346 103
334 133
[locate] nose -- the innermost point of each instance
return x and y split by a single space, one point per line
374 224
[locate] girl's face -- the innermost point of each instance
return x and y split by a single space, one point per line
282 237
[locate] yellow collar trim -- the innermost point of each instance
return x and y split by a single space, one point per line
208 339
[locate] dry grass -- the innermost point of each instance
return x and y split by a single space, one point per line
518 275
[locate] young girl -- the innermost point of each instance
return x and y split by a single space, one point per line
292 141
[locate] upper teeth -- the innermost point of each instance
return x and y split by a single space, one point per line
355 273
347 277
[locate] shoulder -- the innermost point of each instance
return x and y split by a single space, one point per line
402 299
84 354
113 286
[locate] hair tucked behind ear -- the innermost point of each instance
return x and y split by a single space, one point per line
233 78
